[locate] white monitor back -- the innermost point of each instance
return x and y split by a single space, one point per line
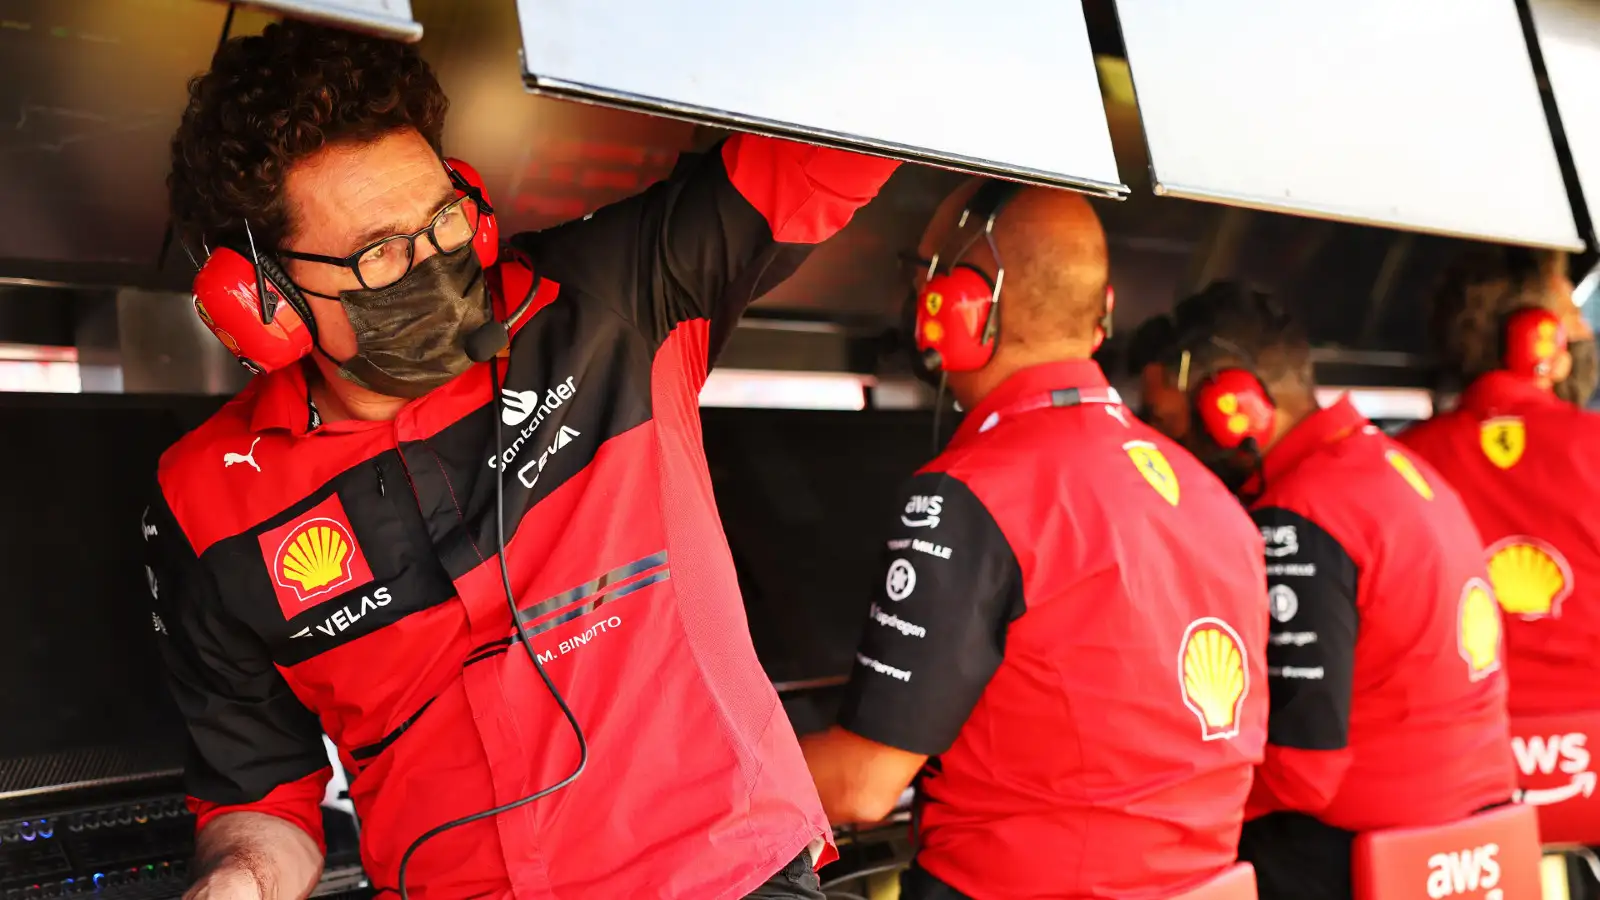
1417 114
1008 90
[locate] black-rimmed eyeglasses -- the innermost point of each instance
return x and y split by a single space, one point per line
386 261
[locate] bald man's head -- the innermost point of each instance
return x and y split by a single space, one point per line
1054 252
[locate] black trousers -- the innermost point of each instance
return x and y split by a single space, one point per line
1297 858
917 884
795 881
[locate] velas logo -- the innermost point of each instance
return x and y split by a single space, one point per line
1213 676
1408 471
1479 630
1502 440
1530 578
314 558
1153 465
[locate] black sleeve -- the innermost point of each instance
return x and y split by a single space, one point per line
936 629
1311 595
688 247
248 733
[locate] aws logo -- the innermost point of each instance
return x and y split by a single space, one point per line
1465 872
1547 755
1213 676
1478 633
1530 578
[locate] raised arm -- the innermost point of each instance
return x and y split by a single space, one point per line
256 766
722 231
1311 591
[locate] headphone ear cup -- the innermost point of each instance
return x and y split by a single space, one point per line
1233 406
958 318
227 302
486 243
1531 340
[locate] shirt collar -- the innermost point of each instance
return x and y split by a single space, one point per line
1325 426
283 402
1504 391
1039 379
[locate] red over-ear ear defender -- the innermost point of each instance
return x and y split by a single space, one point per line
1233 406
1532 338
957 320
266 334
958 311
486 243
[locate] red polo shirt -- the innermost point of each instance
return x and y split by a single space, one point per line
1523 461
1388 700
1072 623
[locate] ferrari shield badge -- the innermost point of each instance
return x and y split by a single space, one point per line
1503 440
1154 467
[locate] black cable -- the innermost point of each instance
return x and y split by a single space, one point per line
522 635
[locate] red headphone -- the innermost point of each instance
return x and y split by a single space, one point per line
958 310
1531 339
243 295
1233 406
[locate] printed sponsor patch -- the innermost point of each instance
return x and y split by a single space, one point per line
1530 578
1213 677
314 558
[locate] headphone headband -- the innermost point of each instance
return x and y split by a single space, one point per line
992 197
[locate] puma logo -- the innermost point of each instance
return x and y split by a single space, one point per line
230 460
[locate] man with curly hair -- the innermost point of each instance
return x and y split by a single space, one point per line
1518 447
324 549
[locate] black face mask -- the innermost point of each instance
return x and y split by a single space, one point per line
411 336
1579 386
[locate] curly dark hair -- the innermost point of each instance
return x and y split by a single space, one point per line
1477 293
270 101
1230 323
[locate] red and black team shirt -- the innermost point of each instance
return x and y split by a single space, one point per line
1388 699
1072 621
1523 461
341 578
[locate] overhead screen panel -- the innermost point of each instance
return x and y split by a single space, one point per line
1569 38
1422 114
389 18
1012 92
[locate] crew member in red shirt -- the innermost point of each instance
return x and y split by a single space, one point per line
1067 641
1522 457
462 522
1384 665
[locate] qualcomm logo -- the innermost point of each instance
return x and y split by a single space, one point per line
536 466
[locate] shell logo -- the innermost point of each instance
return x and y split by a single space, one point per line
1502 440
1479 634
1228 405
1213 676
932 332
1408 471
1153 465
1530 578
314 558
934 302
